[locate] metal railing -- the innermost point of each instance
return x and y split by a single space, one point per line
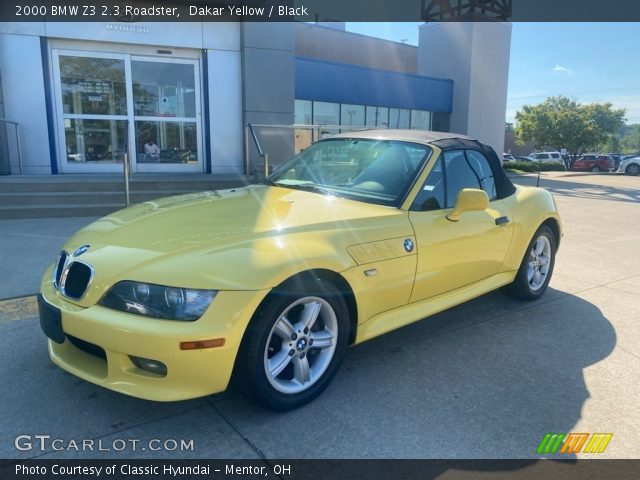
125 163
125 166
18 144
262 154
317 133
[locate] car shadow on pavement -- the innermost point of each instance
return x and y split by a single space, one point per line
487 379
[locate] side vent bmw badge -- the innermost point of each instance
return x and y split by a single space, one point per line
408 244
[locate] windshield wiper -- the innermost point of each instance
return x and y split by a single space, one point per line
307 187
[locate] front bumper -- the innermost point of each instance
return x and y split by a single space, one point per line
190 373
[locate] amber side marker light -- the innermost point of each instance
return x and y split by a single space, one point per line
198 344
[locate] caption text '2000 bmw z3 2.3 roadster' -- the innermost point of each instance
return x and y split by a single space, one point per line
359 234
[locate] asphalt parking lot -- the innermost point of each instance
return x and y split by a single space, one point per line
487 379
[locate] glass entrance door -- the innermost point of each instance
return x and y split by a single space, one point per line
166 114
91 94
109 104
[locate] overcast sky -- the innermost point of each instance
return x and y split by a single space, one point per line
591 62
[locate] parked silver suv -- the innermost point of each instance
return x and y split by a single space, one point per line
547 157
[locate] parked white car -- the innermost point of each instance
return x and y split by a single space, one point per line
547 157
630 166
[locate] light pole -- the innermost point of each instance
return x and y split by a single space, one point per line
351 113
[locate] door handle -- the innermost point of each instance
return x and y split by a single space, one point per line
502 220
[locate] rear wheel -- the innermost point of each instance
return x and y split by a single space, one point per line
536 268
633 169
294 345
595 169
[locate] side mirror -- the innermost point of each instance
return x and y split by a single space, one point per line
469 200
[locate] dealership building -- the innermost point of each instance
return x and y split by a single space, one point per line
176 97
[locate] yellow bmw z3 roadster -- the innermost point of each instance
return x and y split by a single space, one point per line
359 234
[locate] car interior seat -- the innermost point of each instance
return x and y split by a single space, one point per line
388 174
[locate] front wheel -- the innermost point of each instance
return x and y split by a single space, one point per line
537 265
633 169
294 345
595 169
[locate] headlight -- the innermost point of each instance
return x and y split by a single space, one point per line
168 303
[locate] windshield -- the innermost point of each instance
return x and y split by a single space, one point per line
373 171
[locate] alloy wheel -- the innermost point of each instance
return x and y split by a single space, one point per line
301 345
539 263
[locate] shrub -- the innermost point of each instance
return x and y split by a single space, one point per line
552 167
533 166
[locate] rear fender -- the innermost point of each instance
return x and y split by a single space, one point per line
534 206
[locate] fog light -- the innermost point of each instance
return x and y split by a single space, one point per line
148 365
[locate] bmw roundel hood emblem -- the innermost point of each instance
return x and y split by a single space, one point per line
408 244
80 250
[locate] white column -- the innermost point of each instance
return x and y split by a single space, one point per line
475 55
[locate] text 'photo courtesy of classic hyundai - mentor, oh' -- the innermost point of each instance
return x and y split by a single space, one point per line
268 284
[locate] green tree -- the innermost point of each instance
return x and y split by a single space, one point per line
631 139
613 144
561 122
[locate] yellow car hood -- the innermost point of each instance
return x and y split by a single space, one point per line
229 239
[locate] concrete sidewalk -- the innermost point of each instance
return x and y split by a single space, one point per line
28 246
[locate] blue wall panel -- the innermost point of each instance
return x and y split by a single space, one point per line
335 82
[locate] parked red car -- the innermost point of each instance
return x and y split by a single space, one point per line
594 163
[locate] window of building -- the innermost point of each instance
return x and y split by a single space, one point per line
303 115
163 89
352 115
399 118
420 120
303 112
377 117
440 121
93 86
325 113
176 142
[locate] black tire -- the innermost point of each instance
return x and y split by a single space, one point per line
521 287
632 170
595 169
251 365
